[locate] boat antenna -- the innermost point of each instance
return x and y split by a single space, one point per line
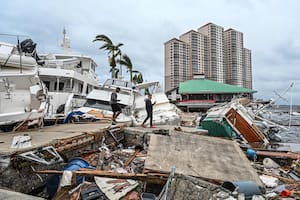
20 51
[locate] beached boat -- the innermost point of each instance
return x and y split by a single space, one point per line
69 78
132 103
23 96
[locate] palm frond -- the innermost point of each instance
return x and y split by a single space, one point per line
105 46
127 61
119 45
103 38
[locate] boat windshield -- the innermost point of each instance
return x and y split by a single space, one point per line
98 104
119 83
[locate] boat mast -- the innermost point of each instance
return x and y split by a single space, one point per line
66 43
291 106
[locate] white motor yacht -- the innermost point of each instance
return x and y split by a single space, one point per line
69 78
23 97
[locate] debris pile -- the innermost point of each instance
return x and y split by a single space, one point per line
279 171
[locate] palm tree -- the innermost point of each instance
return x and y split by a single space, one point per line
127 62
113 50
138 77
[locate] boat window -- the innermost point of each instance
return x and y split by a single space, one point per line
104 105
47 84
87 89
61 86
80 88
93 66
98 104
108 82
119 83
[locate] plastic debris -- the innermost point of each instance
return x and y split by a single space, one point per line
269 163
269 181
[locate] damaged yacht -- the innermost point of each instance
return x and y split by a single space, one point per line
131 102
23 96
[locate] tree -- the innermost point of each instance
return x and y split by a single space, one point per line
138 77
125 60
113 51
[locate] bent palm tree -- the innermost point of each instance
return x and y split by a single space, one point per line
113 50
127 62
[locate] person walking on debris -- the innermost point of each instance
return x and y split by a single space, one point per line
149 109
114 105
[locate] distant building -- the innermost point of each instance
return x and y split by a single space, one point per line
215 50
197 53
234 57
219 54
247 68
201 94
176 58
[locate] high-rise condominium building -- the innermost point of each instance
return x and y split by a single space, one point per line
234 57
219 54
196 51
176 62
247 68
215 50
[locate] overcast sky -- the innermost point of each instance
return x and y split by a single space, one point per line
271 30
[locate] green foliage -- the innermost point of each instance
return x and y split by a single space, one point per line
125 60
113 51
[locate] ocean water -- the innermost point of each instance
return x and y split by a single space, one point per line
280 115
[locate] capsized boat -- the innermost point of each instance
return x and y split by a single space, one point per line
235 121
23 96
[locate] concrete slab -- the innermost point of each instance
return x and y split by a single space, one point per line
10 195
200 156
48 134
142 130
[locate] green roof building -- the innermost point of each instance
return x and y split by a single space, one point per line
201 93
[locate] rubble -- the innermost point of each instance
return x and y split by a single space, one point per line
167 162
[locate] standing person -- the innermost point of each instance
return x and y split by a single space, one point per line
114 105
149 109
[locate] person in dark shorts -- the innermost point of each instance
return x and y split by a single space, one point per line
114 105
149 109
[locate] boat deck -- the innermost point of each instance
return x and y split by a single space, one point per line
48 135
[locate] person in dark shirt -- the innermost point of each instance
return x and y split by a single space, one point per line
149 109
114 105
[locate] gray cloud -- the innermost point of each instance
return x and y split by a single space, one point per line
269 26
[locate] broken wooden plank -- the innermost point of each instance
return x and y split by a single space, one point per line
153 178
130 159
288 155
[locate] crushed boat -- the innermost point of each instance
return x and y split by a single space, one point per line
235 121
